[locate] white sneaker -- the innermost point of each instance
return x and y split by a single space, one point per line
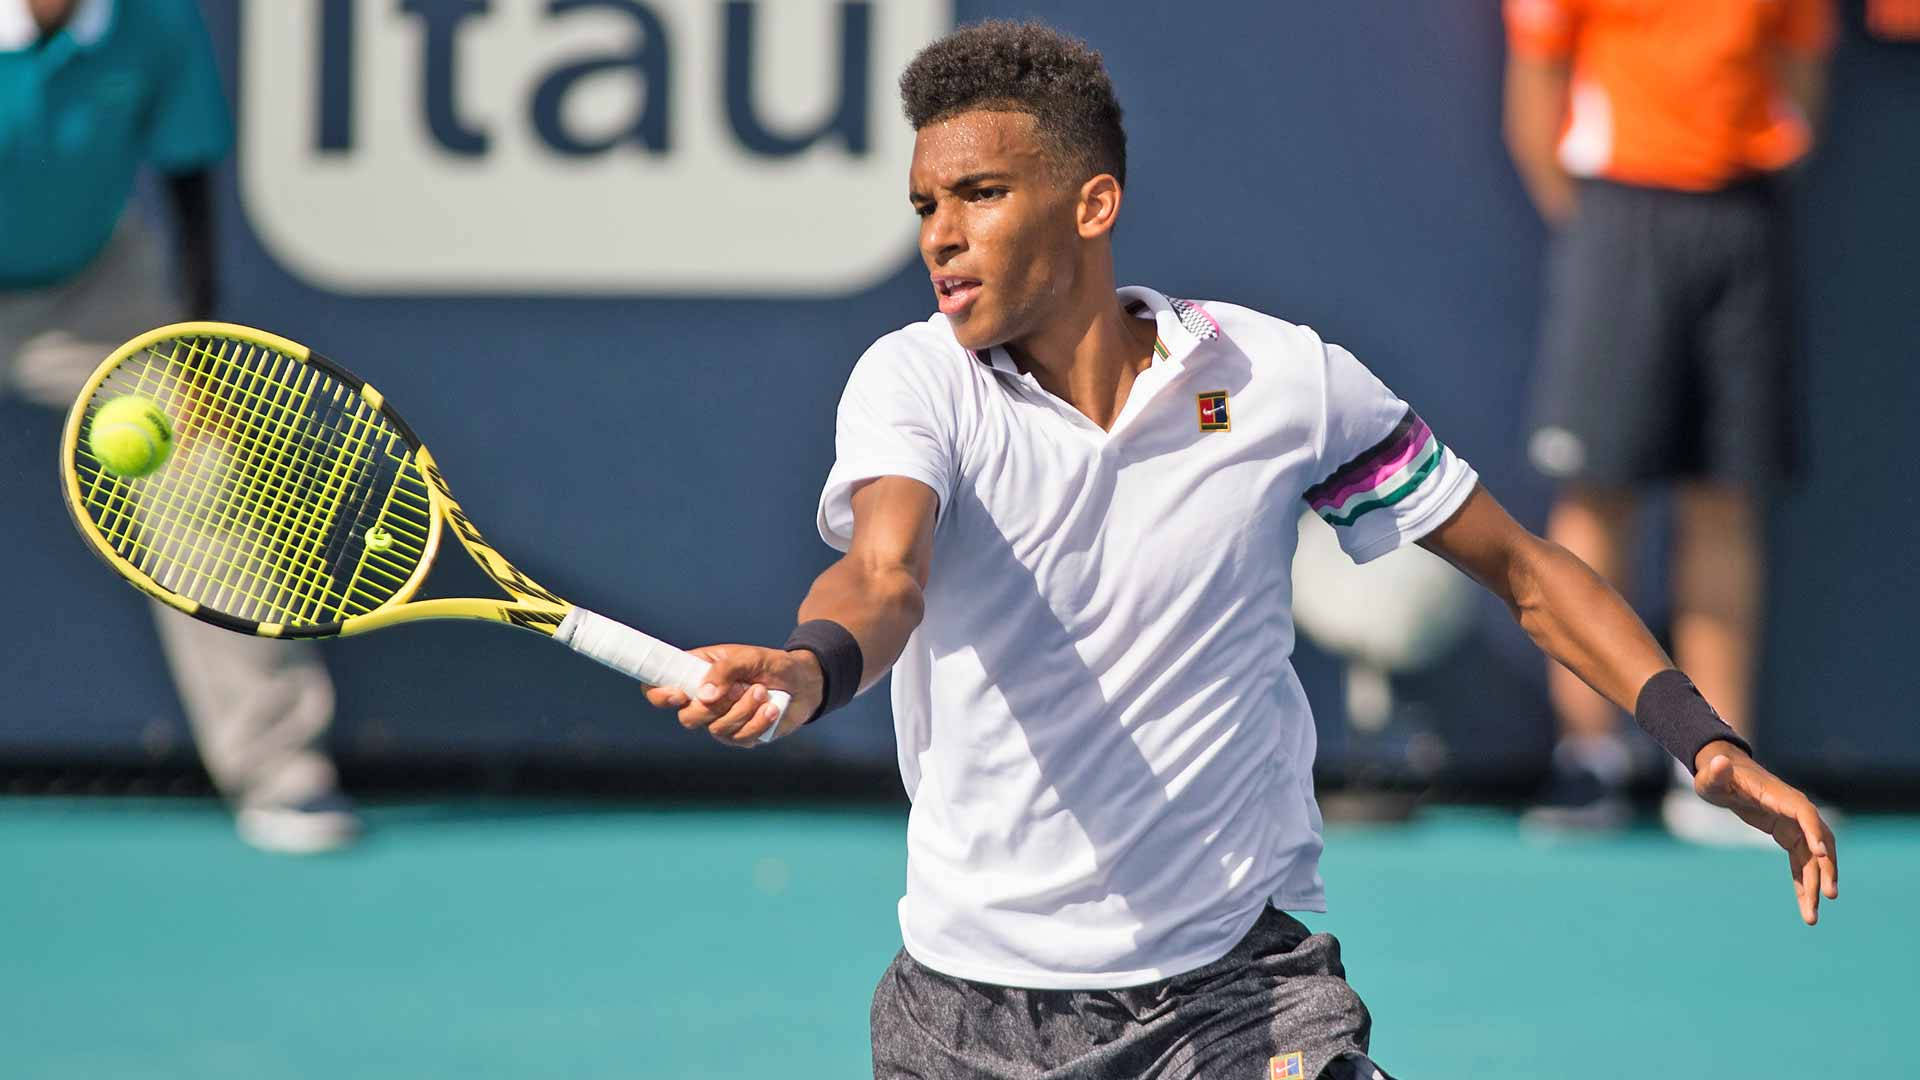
1693 819
326 823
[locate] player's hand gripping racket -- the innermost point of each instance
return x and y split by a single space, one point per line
297 503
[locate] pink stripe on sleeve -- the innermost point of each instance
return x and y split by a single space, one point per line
1370 475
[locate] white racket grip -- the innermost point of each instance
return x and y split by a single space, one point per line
644 657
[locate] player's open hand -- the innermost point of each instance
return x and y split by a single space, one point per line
1728 777
733 706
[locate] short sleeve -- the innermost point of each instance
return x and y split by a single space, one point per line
895 419
1806 26
190 127
1542 29
1385 478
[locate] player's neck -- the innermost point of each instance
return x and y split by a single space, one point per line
1089 356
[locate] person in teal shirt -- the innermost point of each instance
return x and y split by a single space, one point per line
83 105
92 92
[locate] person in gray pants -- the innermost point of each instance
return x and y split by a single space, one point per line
90 92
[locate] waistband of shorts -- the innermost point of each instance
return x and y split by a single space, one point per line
1271 924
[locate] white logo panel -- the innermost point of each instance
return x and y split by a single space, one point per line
581 146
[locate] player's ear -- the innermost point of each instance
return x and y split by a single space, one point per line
1099 206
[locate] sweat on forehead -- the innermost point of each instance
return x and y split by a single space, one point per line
981 140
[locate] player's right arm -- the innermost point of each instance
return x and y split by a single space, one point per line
874 591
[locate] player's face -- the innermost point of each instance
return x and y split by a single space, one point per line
997 225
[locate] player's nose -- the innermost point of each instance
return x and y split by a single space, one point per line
941 236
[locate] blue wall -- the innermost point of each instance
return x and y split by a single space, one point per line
1329 163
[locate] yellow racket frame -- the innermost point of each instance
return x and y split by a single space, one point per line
530 607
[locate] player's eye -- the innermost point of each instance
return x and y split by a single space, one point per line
986 193
921 210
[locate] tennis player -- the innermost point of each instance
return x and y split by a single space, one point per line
1068 512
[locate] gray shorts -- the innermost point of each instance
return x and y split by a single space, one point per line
1665 344
1277 1007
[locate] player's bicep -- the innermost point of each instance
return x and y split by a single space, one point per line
896 419
893 519
1482 540
875 590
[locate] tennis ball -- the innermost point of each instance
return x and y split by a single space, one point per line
130 436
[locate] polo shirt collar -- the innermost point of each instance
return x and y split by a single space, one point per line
1181 324
86 26
996 358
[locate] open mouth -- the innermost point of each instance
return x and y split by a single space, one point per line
956 293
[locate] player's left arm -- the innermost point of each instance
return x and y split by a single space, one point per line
1579 620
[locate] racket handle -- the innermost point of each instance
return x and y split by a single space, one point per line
645 657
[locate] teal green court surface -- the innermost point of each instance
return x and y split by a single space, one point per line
521 940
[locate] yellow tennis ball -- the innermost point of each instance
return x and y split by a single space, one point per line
130 436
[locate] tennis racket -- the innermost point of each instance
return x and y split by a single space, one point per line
297 504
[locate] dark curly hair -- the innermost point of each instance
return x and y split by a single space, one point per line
1028 67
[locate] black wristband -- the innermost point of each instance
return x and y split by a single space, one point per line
841 663
1671 710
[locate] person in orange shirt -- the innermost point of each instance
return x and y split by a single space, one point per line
1650 135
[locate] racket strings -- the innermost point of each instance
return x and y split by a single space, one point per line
405 516
286 551
209 563
212 564
125 505
243 539
305 515
280 471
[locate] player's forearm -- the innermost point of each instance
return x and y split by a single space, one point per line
880 605
1536 107
1578 619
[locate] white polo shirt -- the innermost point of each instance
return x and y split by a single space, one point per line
1108 753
